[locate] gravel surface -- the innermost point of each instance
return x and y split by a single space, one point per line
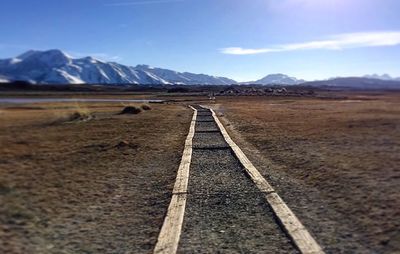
225 212
231 223
209 140
206 126
200 109
205 119
204 113
218 171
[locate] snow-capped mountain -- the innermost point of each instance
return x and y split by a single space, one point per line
175 77
56 67
278 79
3 79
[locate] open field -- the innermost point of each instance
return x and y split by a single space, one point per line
335 162
98 182
96 185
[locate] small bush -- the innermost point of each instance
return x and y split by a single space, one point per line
146 107
79 116
131 110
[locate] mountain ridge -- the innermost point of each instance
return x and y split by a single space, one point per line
56 67
384 76
278 79
355 83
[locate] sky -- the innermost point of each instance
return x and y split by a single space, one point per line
240 39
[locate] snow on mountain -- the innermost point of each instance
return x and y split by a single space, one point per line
185 77
3 79
278 79
56 67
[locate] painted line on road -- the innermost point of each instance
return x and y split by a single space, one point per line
291 224
168 239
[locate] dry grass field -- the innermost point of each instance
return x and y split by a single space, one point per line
335 162
80 178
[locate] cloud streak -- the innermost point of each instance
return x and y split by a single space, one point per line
336 42
132 3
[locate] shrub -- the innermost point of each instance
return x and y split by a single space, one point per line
79 116
131 110
146 107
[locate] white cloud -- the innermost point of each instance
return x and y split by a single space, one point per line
336 42
129 3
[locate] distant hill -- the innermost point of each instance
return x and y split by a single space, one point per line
56 67
356 83
382 77
278 79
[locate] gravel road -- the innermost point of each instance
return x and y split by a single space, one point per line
225 212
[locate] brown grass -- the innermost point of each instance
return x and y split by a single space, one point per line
336 162
95 186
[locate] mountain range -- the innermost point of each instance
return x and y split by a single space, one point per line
356 83
56 67
277 79
381 77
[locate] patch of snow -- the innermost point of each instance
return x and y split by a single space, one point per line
15 60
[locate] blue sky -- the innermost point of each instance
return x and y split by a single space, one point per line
244 40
